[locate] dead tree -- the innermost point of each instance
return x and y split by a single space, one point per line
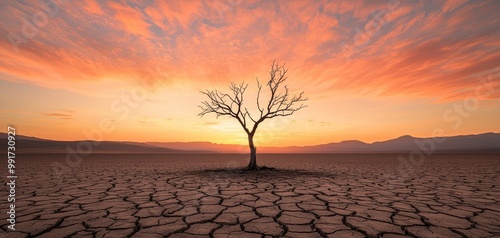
279 104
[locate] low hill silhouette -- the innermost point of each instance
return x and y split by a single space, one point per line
481 143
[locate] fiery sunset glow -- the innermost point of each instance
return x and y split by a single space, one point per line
133 70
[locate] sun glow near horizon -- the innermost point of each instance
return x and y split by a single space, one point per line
373 70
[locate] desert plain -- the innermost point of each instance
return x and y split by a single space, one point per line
315 195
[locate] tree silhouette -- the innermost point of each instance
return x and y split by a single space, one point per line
279 104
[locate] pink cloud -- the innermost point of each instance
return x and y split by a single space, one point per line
132 19
415 48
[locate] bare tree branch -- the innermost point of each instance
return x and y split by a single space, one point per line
280 102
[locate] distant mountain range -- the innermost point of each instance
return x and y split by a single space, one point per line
25 144
487 142
481 143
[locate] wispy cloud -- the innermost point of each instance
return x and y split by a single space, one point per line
64 116
421 49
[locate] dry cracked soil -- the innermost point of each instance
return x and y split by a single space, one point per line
208 196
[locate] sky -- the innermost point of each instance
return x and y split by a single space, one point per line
133 70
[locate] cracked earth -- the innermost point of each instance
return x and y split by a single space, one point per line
205 196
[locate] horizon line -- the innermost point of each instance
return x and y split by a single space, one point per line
332 142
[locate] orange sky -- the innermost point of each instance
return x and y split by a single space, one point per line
129 70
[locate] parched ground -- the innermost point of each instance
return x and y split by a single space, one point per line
205 196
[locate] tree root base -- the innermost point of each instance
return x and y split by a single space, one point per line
258 168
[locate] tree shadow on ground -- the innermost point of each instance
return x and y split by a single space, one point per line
262 173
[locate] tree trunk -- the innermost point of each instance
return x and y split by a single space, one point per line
252 165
